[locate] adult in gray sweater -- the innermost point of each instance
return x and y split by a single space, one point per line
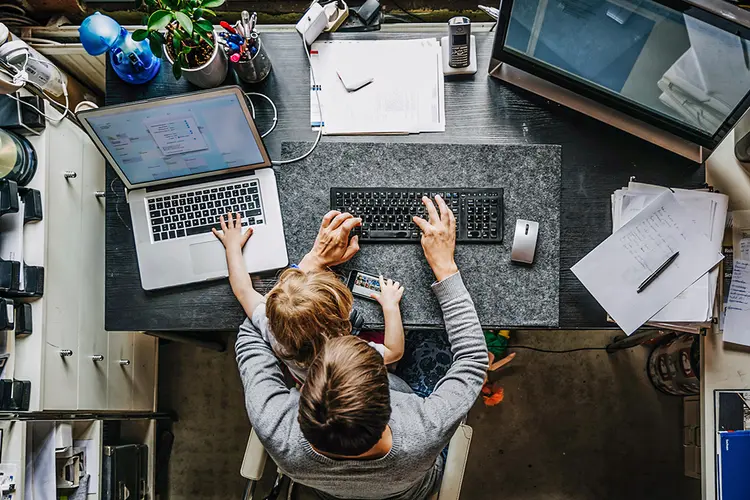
380 442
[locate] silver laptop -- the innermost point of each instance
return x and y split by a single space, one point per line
186 160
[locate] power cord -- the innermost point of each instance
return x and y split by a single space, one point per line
21 77
408 13
275 111
320 109
551 351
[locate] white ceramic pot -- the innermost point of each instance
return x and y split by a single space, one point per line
210 75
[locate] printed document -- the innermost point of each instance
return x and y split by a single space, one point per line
737 320
406 95
613 271
708 210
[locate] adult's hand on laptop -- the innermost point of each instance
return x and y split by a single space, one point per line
438 238
332 245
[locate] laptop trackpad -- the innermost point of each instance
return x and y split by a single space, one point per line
208 257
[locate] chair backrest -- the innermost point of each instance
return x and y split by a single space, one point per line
255 457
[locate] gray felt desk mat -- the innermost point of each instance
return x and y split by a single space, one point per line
505 294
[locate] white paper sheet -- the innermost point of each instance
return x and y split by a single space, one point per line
737 320
40 466
92 462
407 94
613 270
745 249
708 210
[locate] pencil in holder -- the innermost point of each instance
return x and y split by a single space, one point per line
255 68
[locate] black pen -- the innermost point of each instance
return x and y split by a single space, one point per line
656 273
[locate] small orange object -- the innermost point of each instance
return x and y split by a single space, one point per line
491 394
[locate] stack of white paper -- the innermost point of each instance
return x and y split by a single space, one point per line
651 224
406 94
694 306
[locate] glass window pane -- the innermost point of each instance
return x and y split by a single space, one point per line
675 65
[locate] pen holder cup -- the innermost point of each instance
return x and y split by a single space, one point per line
255 69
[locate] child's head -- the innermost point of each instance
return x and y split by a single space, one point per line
306 309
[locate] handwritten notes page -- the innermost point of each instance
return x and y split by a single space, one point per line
737 321
613 270
708 210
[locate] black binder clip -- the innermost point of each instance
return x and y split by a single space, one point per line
8 196
33 279
32 204
23 319
10 275
33 283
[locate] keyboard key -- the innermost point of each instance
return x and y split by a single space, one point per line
157 237
157 221
172 234
164 235
202 229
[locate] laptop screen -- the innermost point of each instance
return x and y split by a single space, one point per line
188 136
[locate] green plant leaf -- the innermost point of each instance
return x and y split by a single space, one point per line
209 12
184 21
212 4
159 20
177 70
197 14
140 35
206 26
176 41
205 38
182 60
156 47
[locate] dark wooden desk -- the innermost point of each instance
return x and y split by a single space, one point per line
596 160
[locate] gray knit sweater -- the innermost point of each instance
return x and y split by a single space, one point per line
421 427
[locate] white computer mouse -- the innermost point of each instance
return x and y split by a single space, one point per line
524 241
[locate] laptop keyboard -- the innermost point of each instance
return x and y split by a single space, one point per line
196 212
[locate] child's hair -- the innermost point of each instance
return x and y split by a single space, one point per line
305 310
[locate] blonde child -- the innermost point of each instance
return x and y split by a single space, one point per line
304 310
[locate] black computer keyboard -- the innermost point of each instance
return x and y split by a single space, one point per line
387 212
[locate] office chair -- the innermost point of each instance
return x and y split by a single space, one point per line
254 463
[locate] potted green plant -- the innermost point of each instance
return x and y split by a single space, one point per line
188 40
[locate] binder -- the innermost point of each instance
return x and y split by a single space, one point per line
125 472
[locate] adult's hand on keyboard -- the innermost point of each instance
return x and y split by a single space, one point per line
438 238
332 245
232 236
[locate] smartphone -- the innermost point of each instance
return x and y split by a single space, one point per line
362 284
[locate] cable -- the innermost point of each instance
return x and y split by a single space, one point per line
320 109
410 14
551 351
275 111
22 76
